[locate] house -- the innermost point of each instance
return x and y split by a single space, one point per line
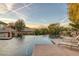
2 25
28 31
4 32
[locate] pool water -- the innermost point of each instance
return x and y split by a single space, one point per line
22 46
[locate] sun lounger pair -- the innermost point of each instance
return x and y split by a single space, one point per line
71 44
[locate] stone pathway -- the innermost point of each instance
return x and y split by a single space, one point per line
53 50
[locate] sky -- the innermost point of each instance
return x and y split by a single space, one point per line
34 14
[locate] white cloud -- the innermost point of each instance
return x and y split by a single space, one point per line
7 20
3 8
9 5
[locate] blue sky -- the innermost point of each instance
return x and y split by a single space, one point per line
39 14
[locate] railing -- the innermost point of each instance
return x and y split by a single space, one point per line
5 34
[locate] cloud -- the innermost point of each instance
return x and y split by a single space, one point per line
3 8
9 5
37 25
7 20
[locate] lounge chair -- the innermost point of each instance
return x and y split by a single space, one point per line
73 43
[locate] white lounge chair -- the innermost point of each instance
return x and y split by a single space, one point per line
73 43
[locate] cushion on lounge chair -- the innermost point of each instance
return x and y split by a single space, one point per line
68 44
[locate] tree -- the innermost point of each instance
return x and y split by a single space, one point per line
44 31
75 25
19 25
37 32
41 31
11 25
54 29
73 12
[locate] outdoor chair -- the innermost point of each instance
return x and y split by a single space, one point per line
74 42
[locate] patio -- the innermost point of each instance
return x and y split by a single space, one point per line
53 50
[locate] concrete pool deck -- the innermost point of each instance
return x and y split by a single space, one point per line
53 50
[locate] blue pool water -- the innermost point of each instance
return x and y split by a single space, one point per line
22 46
